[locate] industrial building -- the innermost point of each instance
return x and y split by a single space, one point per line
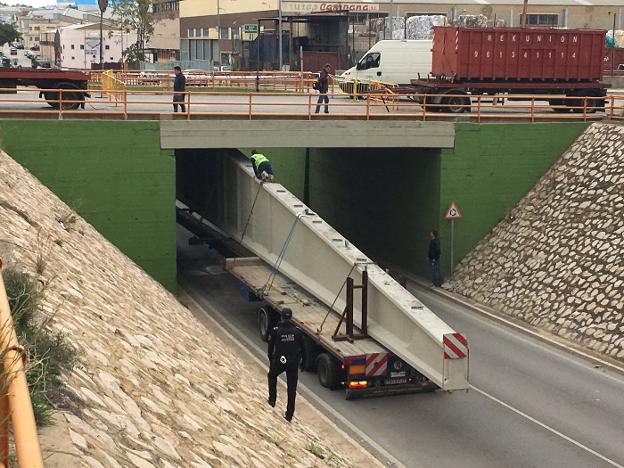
224 31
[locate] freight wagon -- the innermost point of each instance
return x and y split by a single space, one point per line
563 65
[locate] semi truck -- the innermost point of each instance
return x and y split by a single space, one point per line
64 89
561 66
364 331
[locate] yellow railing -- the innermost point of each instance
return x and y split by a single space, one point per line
112 86
15 402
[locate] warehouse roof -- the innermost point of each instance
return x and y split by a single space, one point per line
563 3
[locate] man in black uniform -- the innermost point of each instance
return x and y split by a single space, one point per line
285 352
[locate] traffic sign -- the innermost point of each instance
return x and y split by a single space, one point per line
453 212
250 28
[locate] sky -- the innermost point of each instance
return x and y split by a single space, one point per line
36 3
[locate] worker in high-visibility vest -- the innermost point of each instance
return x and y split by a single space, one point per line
261 166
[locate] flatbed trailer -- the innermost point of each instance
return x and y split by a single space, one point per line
60 88
350 360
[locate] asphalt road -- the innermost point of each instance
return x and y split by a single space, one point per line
531 405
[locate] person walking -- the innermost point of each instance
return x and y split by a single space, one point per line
433 257
179 90
261 166
286 354
323 88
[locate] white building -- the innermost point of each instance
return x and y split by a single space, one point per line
80 45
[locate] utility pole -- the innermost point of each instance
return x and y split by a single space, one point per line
103 4
219 33
613 49
280 44
524 14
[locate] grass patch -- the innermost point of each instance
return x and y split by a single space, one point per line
316 450
49 356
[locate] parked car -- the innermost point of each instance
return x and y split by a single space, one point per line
17 45
35 48
29 54
13 51
5 62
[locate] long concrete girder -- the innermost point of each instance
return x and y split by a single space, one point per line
183 134
284 232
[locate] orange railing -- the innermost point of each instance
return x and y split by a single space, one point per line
15 402
153 104
263 80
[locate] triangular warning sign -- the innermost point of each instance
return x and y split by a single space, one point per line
452 212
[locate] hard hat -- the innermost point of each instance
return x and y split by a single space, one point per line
286 313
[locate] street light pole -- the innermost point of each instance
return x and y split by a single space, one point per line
103 5
281 58
219 33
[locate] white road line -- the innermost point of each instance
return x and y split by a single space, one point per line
557 349
309 393
547 427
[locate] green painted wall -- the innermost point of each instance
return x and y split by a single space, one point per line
491 168
114 174
384 201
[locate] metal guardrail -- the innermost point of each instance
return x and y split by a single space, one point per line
15 404
206 104
264 80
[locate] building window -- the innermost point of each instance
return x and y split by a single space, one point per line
81 46
235 32
539 19
205 32
73 58
107 47
72 47
224 33
190 32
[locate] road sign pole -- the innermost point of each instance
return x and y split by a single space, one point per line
452 243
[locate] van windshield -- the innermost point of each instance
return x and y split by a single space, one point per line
370 61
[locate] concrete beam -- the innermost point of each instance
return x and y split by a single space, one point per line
178 134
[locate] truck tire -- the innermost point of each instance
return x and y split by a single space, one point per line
327 371
51 96
266 321
558 105
457 103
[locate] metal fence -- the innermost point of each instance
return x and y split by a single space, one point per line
15 405
154 104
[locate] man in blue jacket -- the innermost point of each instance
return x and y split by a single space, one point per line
179 90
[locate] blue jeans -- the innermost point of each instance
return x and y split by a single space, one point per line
434 269
322 98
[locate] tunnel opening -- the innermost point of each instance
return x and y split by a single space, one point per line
384 200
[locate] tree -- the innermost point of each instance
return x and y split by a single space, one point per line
8 33
135 15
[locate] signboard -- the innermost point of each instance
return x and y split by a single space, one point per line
452 212
314 7
250 28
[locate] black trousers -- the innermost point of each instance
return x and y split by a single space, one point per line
292 376
178 99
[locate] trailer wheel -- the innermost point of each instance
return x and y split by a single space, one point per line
456 103
266 322
77 95
558 105
327 371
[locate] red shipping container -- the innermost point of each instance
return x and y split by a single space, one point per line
518 54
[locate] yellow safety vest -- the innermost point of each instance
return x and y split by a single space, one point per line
259 159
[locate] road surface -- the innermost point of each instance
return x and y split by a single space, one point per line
531 405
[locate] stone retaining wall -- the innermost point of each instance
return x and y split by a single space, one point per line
153 387
556 259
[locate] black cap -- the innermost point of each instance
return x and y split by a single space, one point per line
286 313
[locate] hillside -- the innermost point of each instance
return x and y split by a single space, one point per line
153 386
555 261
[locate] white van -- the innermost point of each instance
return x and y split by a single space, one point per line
396 62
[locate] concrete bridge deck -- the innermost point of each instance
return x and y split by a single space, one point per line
177 134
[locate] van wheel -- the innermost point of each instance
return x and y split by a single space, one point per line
327 371
266 322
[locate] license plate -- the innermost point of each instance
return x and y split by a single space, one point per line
397 381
